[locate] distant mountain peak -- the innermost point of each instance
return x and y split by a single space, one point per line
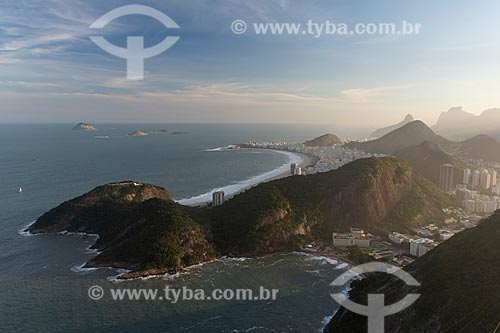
324 140
383 131
409 118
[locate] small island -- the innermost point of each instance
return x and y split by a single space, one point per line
161 131
84 127
138 133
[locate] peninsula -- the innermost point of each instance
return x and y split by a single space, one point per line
141 228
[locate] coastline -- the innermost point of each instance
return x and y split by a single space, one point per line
242 185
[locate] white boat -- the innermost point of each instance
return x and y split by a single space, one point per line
20 189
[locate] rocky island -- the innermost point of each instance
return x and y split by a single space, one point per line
84 127
141 228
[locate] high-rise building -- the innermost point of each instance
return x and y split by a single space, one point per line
297 171
485 181
293 166
446 177
467 177
476 175
494 176
217 198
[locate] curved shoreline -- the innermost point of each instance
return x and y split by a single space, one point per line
239 186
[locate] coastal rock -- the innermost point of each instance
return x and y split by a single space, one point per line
84 127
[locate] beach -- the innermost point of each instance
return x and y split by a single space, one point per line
240 186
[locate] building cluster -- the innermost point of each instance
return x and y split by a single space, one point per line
402 248
471 193
423 240
475 202
484 179
326 158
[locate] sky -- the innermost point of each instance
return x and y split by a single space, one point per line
50 70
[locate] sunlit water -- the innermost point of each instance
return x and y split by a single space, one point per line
42 288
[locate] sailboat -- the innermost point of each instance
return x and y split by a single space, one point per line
20 189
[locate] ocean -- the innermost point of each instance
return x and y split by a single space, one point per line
42 286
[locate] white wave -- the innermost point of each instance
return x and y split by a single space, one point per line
24 231
327 319
324 260
82 269
226 258
237 187
342 266
228 147
254 328
119 271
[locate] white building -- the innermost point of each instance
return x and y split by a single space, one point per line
217 198
476 175
445 234
396 238
467 177
350 239
297 171
421 246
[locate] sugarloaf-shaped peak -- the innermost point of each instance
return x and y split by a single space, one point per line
383 131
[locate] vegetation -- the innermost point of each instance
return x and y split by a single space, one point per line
459 287
141 228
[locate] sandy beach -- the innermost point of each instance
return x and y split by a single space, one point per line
240 186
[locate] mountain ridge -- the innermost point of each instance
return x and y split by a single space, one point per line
144 233
411 134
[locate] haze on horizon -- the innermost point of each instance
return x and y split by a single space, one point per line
52 72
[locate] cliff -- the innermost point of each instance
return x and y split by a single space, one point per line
140 227
459 287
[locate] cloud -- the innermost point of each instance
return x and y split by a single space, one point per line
25 84
35 41
368 94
